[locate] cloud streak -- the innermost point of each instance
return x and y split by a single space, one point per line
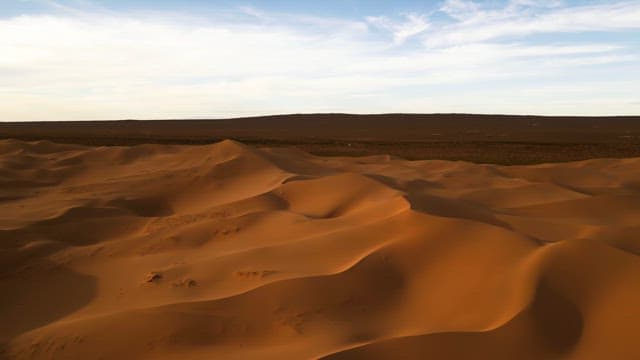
95 64
521 18
412 25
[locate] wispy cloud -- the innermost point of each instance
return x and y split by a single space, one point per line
410 25
520 18
85 62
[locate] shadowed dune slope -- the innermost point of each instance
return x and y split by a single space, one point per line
228 251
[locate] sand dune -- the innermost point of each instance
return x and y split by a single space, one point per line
228 251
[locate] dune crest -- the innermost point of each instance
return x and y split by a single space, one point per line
228 251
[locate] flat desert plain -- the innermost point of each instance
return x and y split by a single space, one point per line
230 251
498 139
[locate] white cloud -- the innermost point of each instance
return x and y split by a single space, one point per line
412 24
520 18
461 9
98 64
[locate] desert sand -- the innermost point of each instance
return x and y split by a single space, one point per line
234 252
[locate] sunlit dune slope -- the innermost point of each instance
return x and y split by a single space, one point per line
227 251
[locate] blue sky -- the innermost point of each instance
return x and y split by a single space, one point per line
102 59
343 8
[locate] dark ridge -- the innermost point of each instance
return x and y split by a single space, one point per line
502 139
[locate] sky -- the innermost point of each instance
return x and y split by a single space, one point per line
168 59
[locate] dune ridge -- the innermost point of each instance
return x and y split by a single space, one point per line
225 250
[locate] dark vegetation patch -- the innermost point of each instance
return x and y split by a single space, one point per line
495 139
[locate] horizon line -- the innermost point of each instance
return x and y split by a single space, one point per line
324 113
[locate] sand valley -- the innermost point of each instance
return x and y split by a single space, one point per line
236 252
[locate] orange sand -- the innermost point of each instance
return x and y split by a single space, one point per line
226 251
